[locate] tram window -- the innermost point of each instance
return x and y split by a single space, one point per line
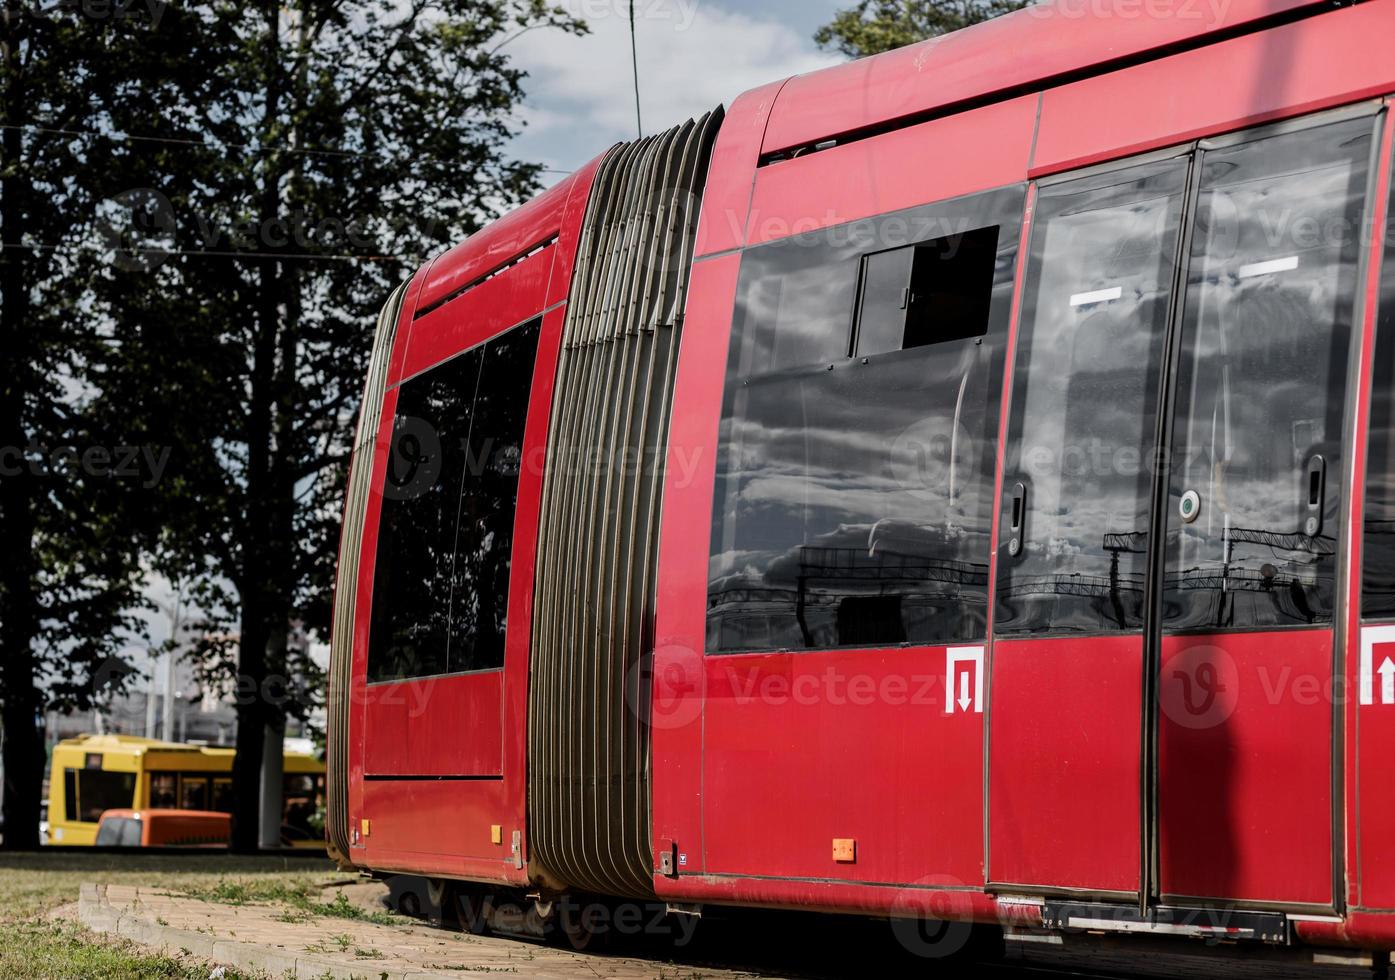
99 791
933 292
445 539
421 497
484 530
1378 551
798 300
854 496
1083 418
1261 389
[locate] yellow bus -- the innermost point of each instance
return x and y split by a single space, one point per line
91 774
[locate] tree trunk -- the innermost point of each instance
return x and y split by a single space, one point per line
19 612
251 726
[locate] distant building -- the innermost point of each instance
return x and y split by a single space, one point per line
197 712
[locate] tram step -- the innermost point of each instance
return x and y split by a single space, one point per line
1228 925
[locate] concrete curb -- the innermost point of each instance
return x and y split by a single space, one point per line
97 914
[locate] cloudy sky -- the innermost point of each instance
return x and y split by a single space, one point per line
693 56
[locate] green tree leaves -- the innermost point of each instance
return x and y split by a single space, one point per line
874 26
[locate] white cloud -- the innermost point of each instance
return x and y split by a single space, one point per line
693 56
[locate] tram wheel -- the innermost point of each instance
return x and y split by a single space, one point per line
472 910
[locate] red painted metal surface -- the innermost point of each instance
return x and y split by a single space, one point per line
859 744
927 899
438 827
727 201
679 672
363 598
1370 799
1245 767
485 311
900 170
1288 71
446 726
1064 763
502 241
1024 50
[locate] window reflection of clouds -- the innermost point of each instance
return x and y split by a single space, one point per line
1084 402
833 519
1262 386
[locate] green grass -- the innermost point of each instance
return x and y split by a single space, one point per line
301 898
35 883
32 885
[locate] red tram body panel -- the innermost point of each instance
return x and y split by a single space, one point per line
952 484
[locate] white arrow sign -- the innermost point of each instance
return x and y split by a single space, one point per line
964 662
1372 637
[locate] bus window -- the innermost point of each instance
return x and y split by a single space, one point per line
163 791
300 800
1261 389
193 793
96 792
854 495
222 795
1083 424
70 800
1378 553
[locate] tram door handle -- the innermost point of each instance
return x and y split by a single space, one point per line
1017 520
1316 492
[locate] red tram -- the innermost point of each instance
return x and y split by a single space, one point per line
959 484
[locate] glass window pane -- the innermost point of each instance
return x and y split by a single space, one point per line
109 833
70 795
854 501
440 598
1089 361
421 500
1378 552
1261 388
222 796
99 791
163 791
795 305
193 793
484 532
130 832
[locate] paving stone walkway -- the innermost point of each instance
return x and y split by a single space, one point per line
265 938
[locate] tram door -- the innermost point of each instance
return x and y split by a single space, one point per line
1160 717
